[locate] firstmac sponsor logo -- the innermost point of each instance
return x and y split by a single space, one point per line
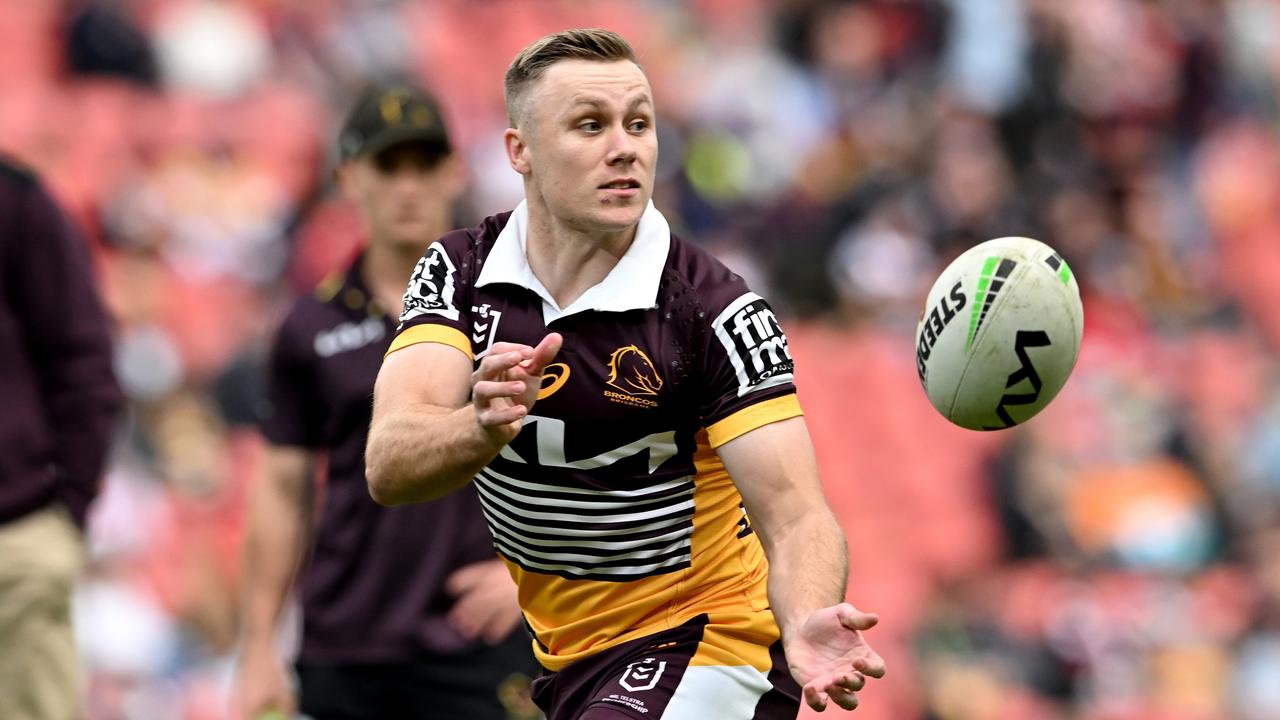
755 343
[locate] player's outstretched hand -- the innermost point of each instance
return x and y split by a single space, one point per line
830 658
505 385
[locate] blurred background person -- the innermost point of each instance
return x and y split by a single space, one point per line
60 402
406 612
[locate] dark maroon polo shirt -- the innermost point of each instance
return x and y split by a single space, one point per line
57 388
372 589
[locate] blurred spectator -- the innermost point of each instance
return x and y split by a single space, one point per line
60 402
101 40
431 633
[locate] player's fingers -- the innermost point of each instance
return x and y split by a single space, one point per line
464 621
851 681
482 615
844 699
815 698
464 578
506 347
854 619
871 665
494 364
496 417
487 391
468 612
501 623
544 353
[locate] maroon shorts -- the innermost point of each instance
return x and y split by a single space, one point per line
652 678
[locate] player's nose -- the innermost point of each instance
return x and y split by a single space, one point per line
622 146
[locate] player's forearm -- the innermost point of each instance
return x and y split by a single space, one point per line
420 455
272 554
808 568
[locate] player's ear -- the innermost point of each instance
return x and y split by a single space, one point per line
517 150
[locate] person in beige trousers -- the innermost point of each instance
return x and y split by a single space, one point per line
58 401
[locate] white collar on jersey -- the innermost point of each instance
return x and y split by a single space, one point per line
632 284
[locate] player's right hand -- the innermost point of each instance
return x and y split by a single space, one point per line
263 685
831 659
505 385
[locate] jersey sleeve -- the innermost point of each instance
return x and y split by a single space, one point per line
293 413
436 306
748 376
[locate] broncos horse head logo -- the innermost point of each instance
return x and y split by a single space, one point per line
632 372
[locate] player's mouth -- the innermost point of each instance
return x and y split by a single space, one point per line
622 188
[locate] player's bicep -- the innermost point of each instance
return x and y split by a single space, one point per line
774 469
422 376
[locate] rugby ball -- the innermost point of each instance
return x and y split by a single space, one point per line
1000 333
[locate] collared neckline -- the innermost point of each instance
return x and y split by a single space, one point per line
348 288
632 284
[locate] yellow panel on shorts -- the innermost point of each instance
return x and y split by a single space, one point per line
738 639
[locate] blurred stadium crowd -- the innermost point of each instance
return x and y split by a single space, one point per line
1116 559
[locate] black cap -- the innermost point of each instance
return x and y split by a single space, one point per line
387 115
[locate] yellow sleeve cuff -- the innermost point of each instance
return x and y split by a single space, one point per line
442 334
752 417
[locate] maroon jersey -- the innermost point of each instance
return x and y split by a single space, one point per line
59 393
372 589
611 507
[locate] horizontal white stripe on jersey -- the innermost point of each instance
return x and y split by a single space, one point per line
601 539
487 490
662 548
602 530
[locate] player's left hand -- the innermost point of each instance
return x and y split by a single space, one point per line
830 658
485 604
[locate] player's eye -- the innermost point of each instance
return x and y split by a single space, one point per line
591 126
638 126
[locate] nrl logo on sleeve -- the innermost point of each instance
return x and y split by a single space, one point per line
755 343
431 286
484 328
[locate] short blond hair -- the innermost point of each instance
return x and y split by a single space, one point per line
595 44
